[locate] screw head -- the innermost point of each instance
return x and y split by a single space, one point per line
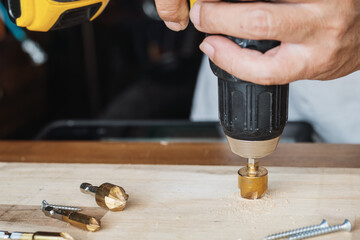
347 225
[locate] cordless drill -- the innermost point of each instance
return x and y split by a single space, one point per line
253 117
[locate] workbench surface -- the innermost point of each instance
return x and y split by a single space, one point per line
184 198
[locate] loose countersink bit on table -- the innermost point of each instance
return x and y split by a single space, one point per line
73 217
107 195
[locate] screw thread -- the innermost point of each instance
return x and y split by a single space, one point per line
321 231
60 207
323 224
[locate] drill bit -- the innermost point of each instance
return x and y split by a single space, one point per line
75 218
107 195
253 180
35 236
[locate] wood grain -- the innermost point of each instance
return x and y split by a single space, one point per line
181 202
294 155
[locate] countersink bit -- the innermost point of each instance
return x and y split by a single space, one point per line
346 226
45 204
107 195
253 180
75 218
323 224
35 236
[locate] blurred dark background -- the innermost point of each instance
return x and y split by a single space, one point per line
124 65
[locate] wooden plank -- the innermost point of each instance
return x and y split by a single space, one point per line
180 202
293 155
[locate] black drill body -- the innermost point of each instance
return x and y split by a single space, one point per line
249 111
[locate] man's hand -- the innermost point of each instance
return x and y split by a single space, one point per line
320 39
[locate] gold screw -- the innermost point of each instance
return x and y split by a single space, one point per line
75 218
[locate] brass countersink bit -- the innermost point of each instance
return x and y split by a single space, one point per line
107 195
35 236
253 180
75 218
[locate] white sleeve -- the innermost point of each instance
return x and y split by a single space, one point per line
205 101
331 107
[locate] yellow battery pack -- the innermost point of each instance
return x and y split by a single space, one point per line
45 15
